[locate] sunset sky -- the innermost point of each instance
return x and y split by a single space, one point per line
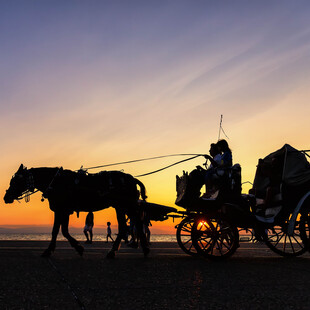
96 82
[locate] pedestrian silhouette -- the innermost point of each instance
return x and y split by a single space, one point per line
109 232
133 243
88 229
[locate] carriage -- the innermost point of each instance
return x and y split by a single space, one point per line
276 210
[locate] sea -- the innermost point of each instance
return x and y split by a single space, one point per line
80 237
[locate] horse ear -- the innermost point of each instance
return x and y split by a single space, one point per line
21 168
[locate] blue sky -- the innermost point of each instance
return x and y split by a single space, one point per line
89 82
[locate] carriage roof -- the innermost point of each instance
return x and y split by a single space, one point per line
293 166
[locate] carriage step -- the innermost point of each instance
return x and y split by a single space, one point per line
245 239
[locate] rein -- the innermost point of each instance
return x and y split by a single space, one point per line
137 160
155 171
144 159
163 156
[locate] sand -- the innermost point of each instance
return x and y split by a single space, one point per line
254 278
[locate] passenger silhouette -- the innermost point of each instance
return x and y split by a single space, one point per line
216 156
89 224
226 155
221 159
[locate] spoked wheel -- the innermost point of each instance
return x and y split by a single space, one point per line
278 240
214 237
184 236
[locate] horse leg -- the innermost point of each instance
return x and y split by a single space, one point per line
52 245
65 232
122 226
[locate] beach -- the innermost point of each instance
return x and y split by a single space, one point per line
253 278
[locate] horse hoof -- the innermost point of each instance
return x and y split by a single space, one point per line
46 253
111 255
80 249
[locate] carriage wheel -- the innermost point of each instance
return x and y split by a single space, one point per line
214 237
184 236
280 242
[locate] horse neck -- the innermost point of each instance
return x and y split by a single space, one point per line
43 177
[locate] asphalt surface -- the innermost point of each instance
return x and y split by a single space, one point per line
253 278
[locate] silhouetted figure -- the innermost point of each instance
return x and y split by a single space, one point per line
127 234
133 243
148 232
89 224
226 155
109 232
221 159
216 156
215 160
146 226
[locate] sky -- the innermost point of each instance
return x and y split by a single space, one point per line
97 82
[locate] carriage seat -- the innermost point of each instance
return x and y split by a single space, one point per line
227 183
268 208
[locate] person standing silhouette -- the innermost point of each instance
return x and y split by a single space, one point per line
89 224
109 232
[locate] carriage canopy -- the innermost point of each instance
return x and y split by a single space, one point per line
286 165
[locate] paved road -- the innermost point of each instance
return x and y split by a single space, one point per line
254 278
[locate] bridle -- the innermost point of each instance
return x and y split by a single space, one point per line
30 187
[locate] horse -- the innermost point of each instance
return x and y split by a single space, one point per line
68 191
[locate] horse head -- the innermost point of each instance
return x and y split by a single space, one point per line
18 185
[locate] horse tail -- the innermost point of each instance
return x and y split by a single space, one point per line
142 189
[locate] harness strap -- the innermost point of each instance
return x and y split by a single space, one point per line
50 184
